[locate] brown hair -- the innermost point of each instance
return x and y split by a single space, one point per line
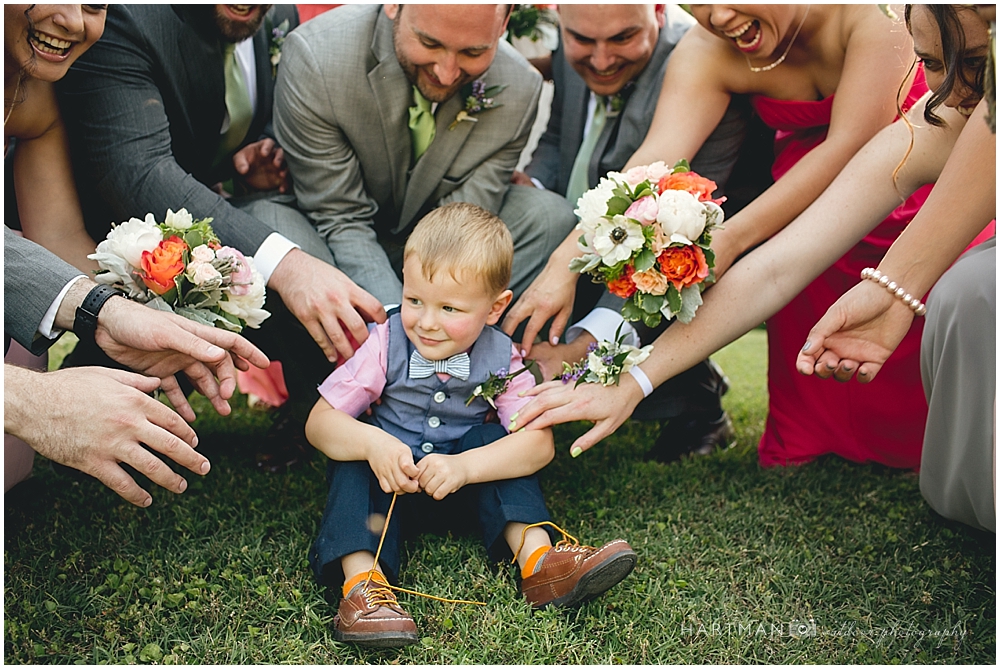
467 241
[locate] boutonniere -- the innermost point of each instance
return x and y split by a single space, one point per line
616 103
496 384
477 98
278 35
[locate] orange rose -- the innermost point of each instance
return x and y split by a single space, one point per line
683 265
623 286
161 265
692 182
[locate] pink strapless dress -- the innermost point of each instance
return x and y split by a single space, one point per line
882 421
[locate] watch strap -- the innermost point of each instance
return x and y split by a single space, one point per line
85 323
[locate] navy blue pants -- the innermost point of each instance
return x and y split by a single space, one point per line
355 495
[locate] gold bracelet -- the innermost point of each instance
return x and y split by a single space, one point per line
913 303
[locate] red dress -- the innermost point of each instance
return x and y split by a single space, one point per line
882 421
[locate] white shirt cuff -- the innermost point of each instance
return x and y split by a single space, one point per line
272 252
538 184
46 327
602 323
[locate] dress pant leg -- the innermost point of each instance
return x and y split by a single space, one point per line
354 497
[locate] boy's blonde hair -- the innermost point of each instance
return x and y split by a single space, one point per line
467 241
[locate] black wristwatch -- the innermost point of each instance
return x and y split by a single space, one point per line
85 324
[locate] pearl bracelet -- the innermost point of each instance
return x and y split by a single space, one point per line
913 303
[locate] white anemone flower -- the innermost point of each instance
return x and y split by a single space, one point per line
616 240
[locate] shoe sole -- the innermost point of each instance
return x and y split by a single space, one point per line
598 580
376 639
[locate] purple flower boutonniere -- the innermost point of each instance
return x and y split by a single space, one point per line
496 384
478 98
278 35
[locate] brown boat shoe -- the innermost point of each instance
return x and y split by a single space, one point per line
572 574
371 616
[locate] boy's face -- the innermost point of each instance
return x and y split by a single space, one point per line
443 316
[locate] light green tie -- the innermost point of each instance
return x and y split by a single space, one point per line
422 126
237 104
578 183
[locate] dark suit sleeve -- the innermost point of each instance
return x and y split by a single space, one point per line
545 161
32 279
121 135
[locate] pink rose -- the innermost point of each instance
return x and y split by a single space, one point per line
643 210
242 275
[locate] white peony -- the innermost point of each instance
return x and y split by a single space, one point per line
681 217
616 240
181 220
129 239
249 307
594 203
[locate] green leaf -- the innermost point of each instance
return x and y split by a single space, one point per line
644 260
631 311
150 653
681 166
673 299
50 606
651 304
691 296
194 238
618 204
652 320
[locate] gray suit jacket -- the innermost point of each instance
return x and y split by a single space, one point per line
553 160
143 108
341 115
32 279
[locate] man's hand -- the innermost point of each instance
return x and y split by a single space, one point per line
326 302
441 475
551 358
38 410
392 462
552 293
160 344
858 333
521 179
261 166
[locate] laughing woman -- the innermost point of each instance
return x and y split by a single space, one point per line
40 44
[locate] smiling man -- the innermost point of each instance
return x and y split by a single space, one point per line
608 71
373 109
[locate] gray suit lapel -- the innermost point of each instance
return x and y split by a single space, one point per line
387 80
431 167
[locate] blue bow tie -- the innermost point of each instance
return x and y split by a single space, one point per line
457 365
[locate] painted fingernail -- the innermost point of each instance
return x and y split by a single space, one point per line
512 427
807 346
554 341
576 451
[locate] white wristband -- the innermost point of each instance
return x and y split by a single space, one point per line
643 381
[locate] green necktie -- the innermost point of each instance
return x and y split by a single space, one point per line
421 124
237 104
578 183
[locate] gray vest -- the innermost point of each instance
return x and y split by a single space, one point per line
429 415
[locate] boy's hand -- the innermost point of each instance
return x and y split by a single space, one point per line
441 475
392 462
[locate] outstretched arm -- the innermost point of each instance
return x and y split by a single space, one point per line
766 279
863 327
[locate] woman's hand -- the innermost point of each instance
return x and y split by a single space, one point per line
557 402
857 334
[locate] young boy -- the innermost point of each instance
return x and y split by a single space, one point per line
424 363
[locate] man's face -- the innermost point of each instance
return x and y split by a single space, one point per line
609 45
238 22
443 47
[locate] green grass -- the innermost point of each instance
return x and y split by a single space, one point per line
729 555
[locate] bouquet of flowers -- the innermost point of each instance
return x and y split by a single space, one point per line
605 362
647 235
180 266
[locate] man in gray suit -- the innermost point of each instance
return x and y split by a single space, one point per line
387 112
46 296
616 56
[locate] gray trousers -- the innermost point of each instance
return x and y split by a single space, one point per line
958 366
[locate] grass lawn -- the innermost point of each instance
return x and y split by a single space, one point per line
730 556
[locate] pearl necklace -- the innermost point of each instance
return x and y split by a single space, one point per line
768 68
13 102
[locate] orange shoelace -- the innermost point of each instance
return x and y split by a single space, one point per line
567 540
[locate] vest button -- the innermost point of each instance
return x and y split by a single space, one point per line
434 421
440 397
427 447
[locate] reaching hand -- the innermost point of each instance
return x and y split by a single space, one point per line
521 179
392 462
262 166
160 344
551 358
858 333
552 293
326 302
37 411
557 402
441 475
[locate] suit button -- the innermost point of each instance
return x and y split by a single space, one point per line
439 397
434 421
427 447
